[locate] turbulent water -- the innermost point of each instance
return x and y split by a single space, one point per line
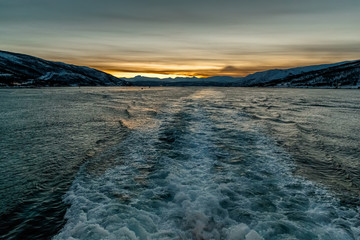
179 163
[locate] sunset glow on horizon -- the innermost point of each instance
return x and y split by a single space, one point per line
145 74
188 38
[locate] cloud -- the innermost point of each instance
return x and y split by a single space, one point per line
230 69
343 47
208 12
232 37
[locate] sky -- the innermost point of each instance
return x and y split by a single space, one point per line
201 38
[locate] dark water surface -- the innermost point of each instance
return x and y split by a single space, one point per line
179 163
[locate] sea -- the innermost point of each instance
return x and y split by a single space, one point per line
179 163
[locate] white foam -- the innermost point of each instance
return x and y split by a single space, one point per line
199 185
238 232
252 235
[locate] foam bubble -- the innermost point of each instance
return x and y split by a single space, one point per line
238 232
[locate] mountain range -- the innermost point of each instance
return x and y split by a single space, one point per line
28 71
337 75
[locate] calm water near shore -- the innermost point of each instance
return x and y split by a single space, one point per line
179 163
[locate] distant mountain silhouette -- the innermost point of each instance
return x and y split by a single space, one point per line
24 70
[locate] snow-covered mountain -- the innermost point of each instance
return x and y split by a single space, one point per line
24 70
343 74
275 74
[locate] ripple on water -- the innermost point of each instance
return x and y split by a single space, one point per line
203 184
